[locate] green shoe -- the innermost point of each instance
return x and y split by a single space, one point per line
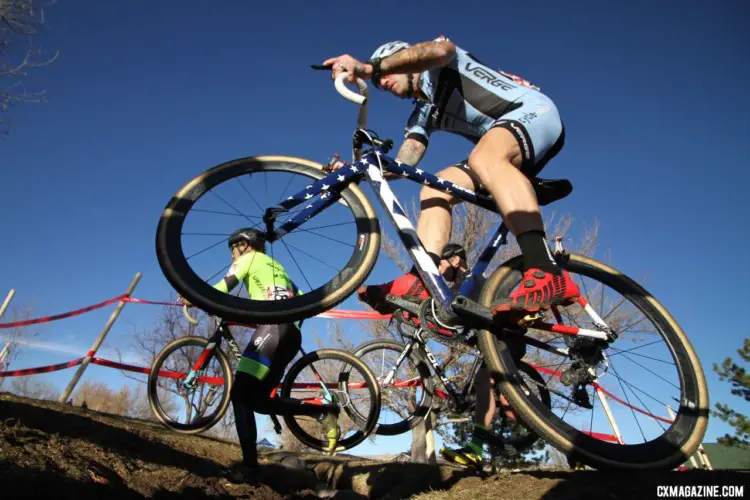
463 456
331 422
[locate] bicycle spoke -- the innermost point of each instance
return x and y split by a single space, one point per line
628 327
206 249
570 402
620 351
615 308
330 225
326 237
296 263
281 198
585 288
549 366
593 408
634 388
218 212
233 207
630 405
652 372
248 192
312 257
557 369
643 356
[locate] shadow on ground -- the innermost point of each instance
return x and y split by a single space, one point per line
52 450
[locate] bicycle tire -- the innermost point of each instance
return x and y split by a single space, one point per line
374 388
181 276
417 357
526 442
153 397
669 451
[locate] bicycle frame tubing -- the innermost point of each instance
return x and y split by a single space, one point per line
457 398
371 166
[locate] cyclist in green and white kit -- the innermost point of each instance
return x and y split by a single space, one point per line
269 352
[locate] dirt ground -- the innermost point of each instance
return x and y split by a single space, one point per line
51 450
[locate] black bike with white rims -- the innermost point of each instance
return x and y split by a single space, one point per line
413 384
190 382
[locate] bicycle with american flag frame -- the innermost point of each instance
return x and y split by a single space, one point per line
589 335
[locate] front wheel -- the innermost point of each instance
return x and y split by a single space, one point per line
601 415
189 386
327 256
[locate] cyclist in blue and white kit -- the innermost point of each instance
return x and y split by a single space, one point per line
516 130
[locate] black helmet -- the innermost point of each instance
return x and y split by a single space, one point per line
254 238
451 249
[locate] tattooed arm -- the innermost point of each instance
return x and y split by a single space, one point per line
416 59
420 57
411 152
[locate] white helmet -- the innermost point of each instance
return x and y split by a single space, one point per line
388 49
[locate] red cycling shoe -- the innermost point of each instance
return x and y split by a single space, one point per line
540 290
408 286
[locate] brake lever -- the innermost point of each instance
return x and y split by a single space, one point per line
321 66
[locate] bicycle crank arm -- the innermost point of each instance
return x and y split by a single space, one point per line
479 314
406 305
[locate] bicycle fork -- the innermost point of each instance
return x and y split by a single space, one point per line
200 365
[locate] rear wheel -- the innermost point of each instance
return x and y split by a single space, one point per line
348 382
646 398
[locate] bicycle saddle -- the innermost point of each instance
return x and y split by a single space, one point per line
550 190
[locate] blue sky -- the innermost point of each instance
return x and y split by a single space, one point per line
146 95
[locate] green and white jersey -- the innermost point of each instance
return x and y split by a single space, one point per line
264 278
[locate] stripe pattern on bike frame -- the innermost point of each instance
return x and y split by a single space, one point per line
480 198
428 270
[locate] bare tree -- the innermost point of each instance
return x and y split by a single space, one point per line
12 340
127 401
20 22
31 387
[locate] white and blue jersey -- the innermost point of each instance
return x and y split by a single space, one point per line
468 98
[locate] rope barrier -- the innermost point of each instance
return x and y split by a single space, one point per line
77 312
332 314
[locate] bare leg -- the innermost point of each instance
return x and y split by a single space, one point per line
485 409
496 160
435 220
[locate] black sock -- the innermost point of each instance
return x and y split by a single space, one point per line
536 253
249 453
